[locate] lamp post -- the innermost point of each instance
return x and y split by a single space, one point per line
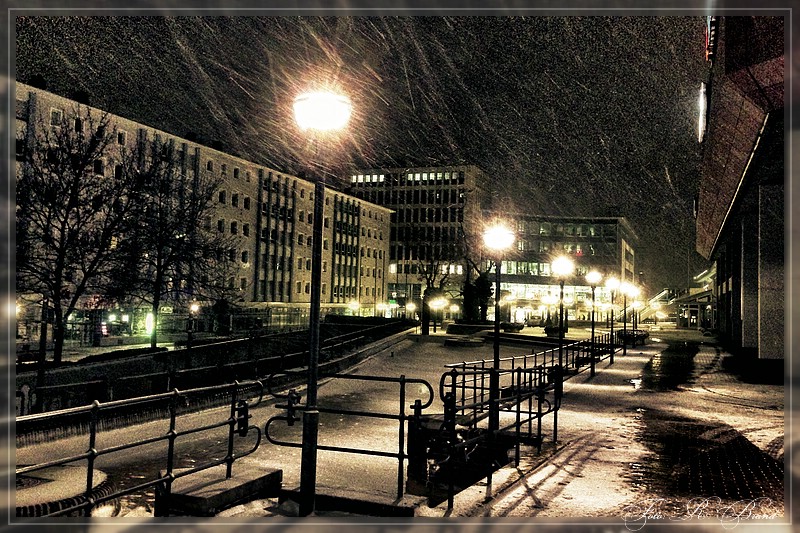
193 308
562 267
593 278
497 238
612 284
632 291
319 112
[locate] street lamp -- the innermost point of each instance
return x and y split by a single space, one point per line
562 267
436 306
320 112
612 284
593 278
627 290
497 239
193 308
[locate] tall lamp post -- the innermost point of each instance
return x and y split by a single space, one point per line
627 290
319 112
562 267
593 278
497 238
612 284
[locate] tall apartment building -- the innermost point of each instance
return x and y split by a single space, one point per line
266 215
605 244
433 207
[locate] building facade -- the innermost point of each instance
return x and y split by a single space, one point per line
605 244
436 211
263 214
740 204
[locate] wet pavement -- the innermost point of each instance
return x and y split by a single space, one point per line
664 435
668 433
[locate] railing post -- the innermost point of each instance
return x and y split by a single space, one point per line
417 444
401 436
161 506
450 430
92 453
557 392
519 406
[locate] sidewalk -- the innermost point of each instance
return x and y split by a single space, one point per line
622 445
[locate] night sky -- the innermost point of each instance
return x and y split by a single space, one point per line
568 115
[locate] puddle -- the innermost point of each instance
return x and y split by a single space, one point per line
670 369
696 458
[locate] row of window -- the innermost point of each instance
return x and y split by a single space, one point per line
535 227
571 248
224 170
223 196
410 177
57 120
399 198
430 214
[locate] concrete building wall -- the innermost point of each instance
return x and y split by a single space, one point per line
771 272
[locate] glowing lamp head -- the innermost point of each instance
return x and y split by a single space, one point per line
322 111
612 284
562 266
498 238
629 290
593 278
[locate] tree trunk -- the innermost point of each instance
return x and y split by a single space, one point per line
154 310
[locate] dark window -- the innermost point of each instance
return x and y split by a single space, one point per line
122 137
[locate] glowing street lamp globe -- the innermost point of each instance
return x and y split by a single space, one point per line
498 238
322 111
562 266
593 278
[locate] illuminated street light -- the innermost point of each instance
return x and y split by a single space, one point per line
627 289
497 239
612 284
562 267
193 308
593 278
321 112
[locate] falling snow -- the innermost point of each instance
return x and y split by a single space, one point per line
569 115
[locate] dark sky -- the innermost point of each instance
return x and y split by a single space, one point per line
569 115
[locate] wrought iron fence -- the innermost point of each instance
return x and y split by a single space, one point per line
243 396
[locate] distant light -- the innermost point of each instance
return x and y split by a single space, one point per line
594 278
410 306
112 317
353 304
149 323
701 122
612 284
323 111
562 266
454 308
498 237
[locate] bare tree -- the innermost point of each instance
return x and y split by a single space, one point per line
70 211
171 253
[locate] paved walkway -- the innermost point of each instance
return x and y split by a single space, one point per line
612 461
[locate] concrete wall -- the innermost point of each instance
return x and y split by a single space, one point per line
771 307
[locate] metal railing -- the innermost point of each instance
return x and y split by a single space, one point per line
292 406
237 423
